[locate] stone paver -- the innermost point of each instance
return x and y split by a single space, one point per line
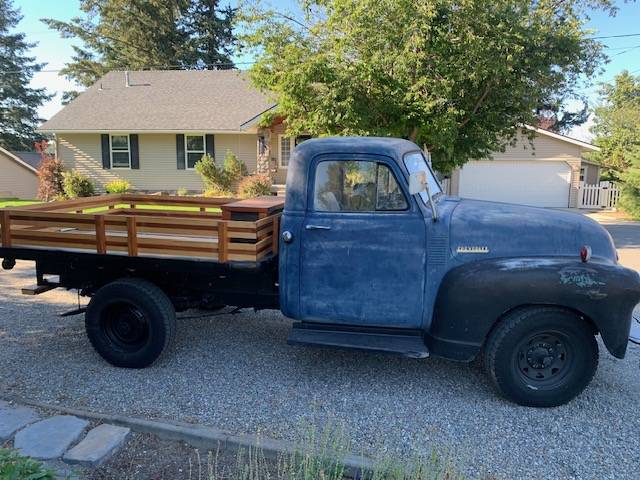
99 444
13 418
49 438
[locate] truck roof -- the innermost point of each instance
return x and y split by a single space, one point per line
393 147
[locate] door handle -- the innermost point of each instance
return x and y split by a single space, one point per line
317 227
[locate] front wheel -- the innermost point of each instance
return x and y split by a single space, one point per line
130 322
541 356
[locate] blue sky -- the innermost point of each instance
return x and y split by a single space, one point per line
55 51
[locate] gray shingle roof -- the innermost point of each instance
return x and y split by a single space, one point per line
171 100
30 158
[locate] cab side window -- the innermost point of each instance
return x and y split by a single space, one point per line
356 186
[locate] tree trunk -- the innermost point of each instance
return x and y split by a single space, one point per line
414 134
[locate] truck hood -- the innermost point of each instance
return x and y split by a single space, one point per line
480 229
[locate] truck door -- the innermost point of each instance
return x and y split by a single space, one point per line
363 239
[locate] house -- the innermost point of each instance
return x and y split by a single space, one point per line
546 172
18 174
151 127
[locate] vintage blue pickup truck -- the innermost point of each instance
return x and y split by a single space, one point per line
373 256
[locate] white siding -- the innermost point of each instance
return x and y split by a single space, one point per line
158 162
16 181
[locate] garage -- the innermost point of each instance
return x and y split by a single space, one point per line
528 182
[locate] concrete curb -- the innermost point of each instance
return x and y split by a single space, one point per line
197 435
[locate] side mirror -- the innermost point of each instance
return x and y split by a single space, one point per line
417 182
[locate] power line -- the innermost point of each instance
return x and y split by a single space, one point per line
616 36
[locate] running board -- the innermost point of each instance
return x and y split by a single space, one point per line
402 342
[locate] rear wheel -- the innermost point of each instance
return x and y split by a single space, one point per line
130 322
541 356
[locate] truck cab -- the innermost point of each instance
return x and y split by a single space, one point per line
368 261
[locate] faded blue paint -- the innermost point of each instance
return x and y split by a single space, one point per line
386 269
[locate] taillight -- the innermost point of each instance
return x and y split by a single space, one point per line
585 253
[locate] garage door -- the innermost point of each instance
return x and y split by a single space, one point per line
541 184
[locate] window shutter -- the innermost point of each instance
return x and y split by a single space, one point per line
209 145
106 154
135 152
180 150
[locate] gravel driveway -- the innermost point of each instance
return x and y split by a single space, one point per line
236 372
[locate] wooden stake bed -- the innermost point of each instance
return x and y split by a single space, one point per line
219 229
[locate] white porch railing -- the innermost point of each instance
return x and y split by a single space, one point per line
605 195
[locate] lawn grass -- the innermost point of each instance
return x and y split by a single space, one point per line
16 202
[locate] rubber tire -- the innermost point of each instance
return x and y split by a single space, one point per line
152 302
504 339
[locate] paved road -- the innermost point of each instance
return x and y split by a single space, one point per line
626 235
236 372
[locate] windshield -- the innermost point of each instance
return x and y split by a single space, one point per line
416 162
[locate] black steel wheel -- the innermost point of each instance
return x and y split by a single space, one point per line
125 325
545 358
130 322
541 356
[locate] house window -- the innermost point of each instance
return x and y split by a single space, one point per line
582 171
120 151
194 149
356 186
285 151
286 146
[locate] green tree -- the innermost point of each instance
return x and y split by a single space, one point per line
123 34
617 130
210 31
458 76
18 102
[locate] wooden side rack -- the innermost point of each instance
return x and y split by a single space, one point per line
219 229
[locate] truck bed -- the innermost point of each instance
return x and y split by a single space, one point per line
157 226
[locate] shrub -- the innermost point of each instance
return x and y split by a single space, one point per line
77 185
118 186
182 192
254 186
218 192
213 176
13 465
50 178
234 168
220 178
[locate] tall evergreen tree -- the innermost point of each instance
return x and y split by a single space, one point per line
18 102
210 31
124 34
146 34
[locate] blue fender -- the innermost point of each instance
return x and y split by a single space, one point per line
474 296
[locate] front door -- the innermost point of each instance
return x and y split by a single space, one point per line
362 257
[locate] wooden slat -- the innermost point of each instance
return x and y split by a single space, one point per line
275 235
176 200
87 202
222 242
87 239
132 236
5 225
101 239
49 216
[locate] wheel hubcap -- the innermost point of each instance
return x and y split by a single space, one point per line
543 358
125 326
